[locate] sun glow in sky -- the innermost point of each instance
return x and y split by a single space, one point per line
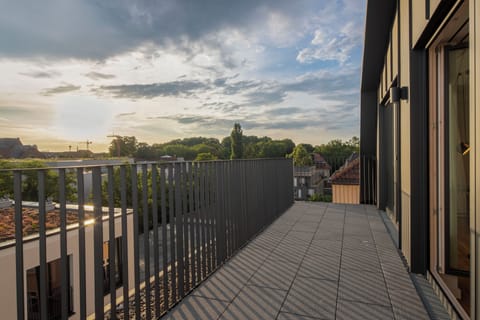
160 70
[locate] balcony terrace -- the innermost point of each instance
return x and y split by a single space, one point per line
225 240
316 261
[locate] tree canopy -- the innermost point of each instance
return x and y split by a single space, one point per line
235 146
336 151
236 138
30 181
301 157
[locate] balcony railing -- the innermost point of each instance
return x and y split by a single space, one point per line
175 223
368 180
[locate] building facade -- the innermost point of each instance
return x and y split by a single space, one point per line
420 102
307 181
31 269
346 183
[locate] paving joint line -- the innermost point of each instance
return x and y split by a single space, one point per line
296 273
340 264
256 269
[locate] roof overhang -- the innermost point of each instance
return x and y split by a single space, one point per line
378 22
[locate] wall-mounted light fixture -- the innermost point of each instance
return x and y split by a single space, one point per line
398 93
464 148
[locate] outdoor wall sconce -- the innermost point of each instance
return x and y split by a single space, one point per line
398 93
464 148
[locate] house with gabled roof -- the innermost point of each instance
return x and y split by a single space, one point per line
346 182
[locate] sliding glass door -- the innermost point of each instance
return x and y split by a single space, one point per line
457 147
450 153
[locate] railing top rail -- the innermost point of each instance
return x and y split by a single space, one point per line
136 163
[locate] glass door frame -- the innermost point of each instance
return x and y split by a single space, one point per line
437 95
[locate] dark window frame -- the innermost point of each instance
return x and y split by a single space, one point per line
118 266
52 314
448 268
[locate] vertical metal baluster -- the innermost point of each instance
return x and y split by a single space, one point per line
146 241
198 244
17 195
173 243
252 189
191 217
179 227
156 268
246 200
259 184
163 196
185 216
230 214
125 273
227 212
208 210
220 212
65 291
42 245
136 243
81 243
264 209
98 241
239 191
243 204
205 234
111 244
237 204
214 199
216 202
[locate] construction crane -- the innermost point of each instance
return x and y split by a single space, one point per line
117 142
88 142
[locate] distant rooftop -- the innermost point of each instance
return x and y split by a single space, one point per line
349 173
320 162
52 219
14 148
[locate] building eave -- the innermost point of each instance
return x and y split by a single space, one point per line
379 18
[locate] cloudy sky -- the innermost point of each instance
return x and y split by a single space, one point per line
159 70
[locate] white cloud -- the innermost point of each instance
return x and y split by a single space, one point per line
175 68
333 39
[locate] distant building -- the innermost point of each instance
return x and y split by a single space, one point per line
13 148
31 255
79 154
306 182
346 182
322 165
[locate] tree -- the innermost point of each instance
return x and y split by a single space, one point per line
226 147
127 145
308 147
301 158
237 142
354 142
204 148
205 156
30 181
145 152
336 151
180 150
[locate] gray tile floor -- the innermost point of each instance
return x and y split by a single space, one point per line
316 261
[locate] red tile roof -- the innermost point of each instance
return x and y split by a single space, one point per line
320 161
348 174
